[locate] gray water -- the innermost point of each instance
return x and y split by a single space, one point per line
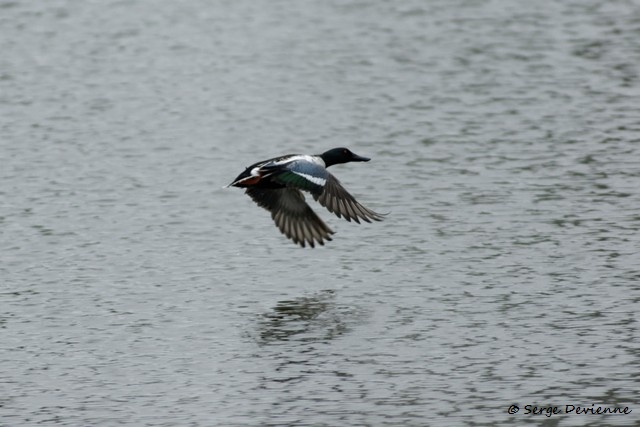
135 290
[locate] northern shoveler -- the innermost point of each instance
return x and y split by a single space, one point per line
276 185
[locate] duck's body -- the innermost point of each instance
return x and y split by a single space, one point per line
276 185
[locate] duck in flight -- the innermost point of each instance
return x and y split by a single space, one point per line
277 184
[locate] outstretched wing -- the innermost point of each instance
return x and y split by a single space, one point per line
302 174
326 189
338 200
292 215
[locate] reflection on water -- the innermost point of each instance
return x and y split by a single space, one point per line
305 319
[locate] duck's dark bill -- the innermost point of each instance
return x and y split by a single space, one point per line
357 158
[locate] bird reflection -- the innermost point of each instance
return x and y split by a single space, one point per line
305 319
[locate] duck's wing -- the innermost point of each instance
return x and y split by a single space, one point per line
299 173
292 215
336 199
326 189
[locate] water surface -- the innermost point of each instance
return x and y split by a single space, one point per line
136 291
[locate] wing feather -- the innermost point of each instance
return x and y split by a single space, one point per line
291 214
338 201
